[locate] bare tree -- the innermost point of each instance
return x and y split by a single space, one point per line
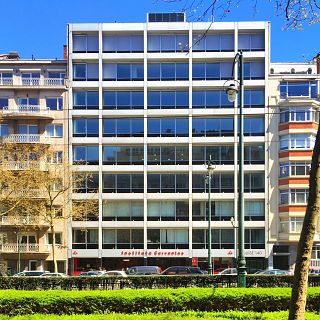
37 187
300 285
295 12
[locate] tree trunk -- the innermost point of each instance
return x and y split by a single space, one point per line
300 283
55 264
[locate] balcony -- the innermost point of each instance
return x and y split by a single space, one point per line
23 193
25 248
28 112
26 138
6 81
47 82
25 165
33 82
22 220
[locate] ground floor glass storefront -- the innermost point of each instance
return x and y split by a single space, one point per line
78 265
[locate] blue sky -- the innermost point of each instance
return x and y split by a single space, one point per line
38 27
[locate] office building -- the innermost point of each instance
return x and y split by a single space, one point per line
147 110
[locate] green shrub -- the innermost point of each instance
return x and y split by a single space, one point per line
136 282
13 302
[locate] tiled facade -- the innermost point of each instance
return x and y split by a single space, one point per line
294 118
33 111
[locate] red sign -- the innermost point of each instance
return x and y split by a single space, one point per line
151 253
194 261
230 252
74 252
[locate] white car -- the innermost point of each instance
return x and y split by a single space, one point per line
54 274
229 271
117 273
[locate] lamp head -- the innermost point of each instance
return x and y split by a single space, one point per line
232 92
211 166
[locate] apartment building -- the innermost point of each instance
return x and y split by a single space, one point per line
33 111
147 111
293 122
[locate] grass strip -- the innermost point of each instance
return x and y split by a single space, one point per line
190 315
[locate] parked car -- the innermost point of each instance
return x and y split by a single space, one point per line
314 272
30 273
92 273
274 272
182 271
54 274
118 273
144 270
228 271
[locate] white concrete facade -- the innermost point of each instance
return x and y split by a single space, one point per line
223 256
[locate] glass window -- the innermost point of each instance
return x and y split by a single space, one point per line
89 71
213 42
253 126
297 141
85 43
212 127
122 183
123 100
54 130
54 103
123 155
123 127
4 102
254 210
254 70
86 155
168 127
251 42
254 182
4 130
123 71
253 98
168 71
122 43
85 127
168 43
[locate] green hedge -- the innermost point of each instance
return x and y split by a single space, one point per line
14 302
137 282
237 315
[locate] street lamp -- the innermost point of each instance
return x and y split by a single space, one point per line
232 91
210 167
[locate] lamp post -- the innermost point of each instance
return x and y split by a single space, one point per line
210 167
232 91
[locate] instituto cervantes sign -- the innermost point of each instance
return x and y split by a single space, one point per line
148 253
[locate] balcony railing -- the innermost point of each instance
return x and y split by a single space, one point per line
30 81
23 193
53 82
33 82
25 248
25 165
315 263
6 81
26 138
30 110
23 220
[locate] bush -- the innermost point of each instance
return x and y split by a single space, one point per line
156 300
143 282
